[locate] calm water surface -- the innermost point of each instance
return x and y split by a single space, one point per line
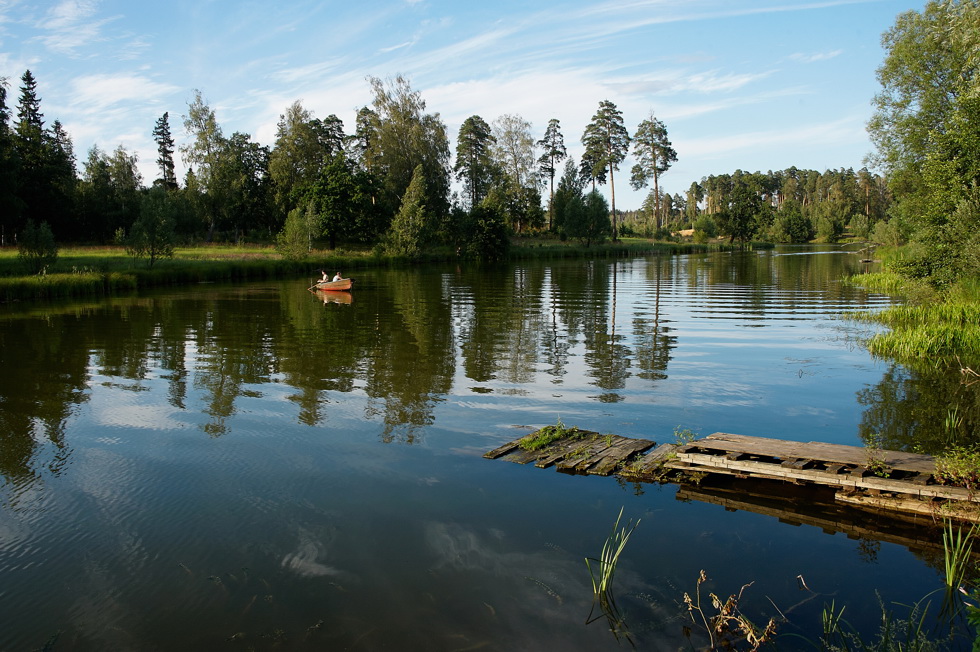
252 467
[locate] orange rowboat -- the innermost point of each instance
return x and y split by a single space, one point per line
343 284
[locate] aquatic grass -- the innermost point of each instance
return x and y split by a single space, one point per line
547 435
957 549
894 634
602 576
937 332
883 282
604 572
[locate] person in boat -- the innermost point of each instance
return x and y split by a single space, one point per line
336 277
323 274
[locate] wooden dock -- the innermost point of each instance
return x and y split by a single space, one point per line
863 478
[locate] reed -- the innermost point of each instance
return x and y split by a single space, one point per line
605 570
957 548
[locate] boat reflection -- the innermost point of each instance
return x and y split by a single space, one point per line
333 296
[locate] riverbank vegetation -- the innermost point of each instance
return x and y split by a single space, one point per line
113 270
925 132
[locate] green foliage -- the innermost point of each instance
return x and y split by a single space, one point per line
554 152
475 166
606 142
706 225
152 235
411 229
588 219
403 136
829 228
895 634
654 156
485 234
859 226
959 466
740 219
342 197
295 241
790 225
36 247
887 233
924 130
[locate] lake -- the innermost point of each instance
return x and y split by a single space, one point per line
260 467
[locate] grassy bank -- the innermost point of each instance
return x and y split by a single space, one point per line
107 271
935 328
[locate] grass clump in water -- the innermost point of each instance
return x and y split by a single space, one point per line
541 438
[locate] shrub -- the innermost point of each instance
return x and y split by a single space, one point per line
36 247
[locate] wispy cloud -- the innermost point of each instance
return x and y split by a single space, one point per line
97 92
788 139
818 56
670 82
310 73
70 25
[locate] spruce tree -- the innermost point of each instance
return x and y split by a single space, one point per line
9 202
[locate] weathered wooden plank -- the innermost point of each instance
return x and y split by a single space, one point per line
844 468
500 451
609 460
923 507
836 453
711 463
652 461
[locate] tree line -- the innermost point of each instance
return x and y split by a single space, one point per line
789 206
389 184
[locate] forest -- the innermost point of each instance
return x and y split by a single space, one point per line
394 184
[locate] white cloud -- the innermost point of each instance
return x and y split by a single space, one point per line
818 56
70 25
97 92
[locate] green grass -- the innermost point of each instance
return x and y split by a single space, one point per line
547 435
100 271
938 333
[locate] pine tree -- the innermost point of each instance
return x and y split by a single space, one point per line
165 152
606 143
553 144
654 155
474 164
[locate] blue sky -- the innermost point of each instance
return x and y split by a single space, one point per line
740 84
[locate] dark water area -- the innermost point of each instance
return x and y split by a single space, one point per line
260 467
